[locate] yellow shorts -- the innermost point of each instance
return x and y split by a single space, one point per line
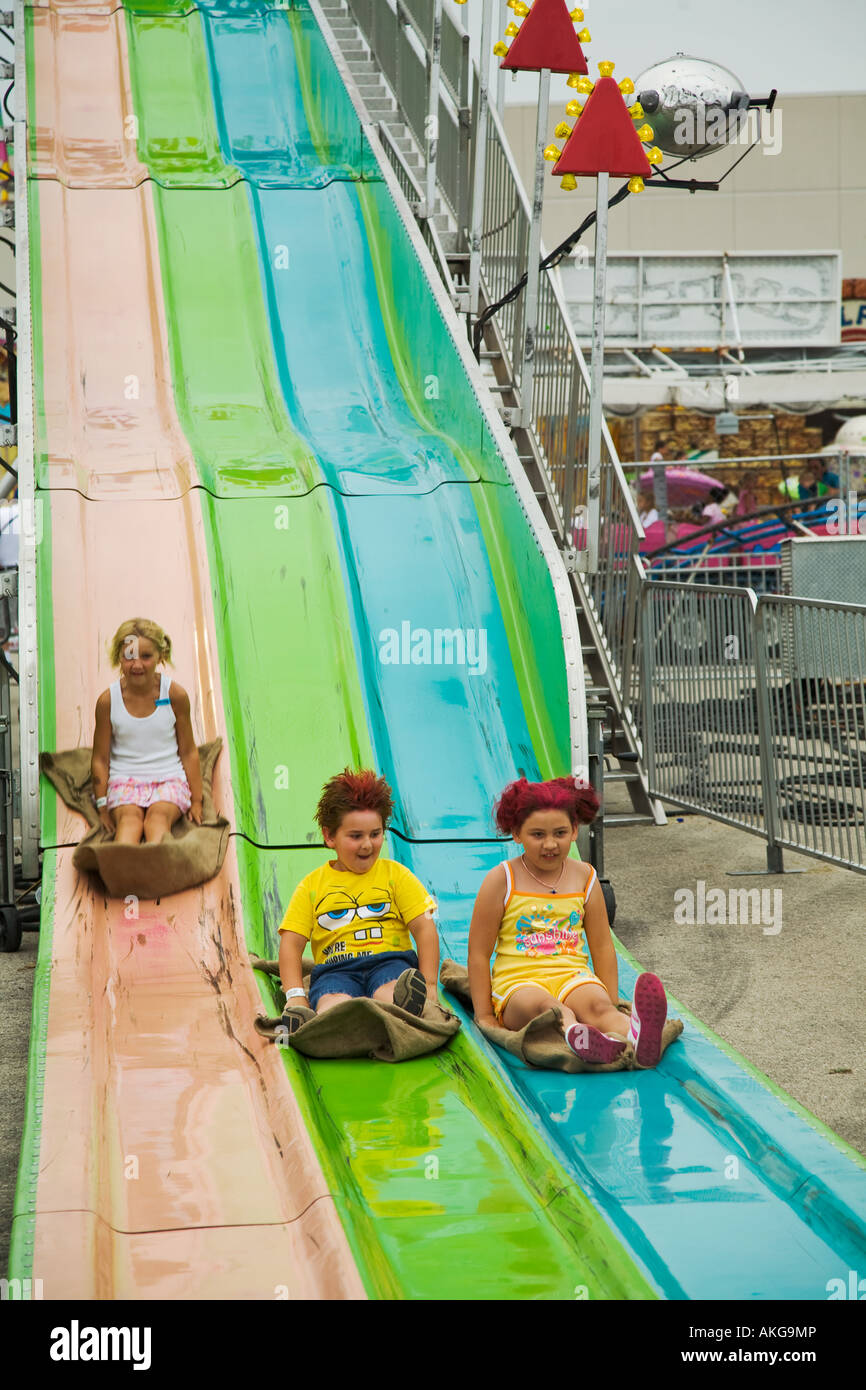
558 981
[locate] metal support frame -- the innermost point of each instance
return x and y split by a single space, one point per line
480 160
596 388
533 269
500 71
432 132
29 507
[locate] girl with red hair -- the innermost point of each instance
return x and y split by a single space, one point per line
545 915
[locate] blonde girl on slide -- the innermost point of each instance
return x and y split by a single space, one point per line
145 767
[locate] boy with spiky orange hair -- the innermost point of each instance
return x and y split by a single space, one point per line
359 912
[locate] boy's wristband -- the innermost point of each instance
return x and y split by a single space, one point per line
100 802
297 993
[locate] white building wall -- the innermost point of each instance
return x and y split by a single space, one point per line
811 196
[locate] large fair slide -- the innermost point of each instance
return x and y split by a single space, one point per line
258 423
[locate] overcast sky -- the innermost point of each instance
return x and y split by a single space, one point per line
795 45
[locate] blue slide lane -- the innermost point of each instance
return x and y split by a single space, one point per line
719 1188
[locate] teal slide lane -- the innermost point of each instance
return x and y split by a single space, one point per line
719 1185
702 1144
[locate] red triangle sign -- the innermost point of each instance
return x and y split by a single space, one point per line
546 39
604 140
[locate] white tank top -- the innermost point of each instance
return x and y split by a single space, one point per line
144 748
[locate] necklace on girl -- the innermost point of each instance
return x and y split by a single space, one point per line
551 888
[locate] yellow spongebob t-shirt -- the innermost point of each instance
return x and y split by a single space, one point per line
346 915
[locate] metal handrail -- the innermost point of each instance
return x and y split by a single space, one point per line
414 195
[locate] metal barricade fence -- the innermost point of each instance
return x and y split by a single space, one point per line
812 677
757 570
753 712
700 708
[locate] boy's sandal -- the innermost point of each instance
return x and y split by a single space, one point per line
410 992
294 1016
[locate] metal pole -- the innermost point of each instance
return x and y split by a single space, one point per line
596 377
432 131
527 368
500 72
480 159
29 514
660 490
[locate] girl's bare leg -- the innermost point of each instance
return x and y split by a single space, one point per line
591 1004
128 822
158 821
527 1003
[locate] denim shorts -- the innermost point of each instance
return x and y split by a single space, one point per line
359 978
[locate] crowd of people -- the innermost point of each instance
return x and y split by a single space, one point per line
725 502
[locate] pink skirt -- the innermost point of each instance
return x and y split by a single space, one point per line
132 791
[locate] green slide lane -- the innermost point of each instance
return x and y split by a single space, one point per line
228 394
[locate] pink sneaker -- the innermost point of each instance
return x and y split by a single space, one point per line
649 1010
590 1045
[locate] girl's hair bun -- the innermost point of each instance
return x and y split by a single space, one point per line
576 799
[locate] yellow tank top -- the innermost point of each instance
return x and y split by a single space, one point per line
539 926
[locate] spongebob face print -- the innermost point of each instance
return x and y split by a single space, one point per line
360 921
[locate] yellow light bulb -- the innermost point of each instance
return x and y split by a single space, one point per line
574 108
511 29
584 85
585 36
460 2
563 130
655 155
645 133
500 49
606 69
577 16
552 152
568 183
636 185
520 9
636 112
626 86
